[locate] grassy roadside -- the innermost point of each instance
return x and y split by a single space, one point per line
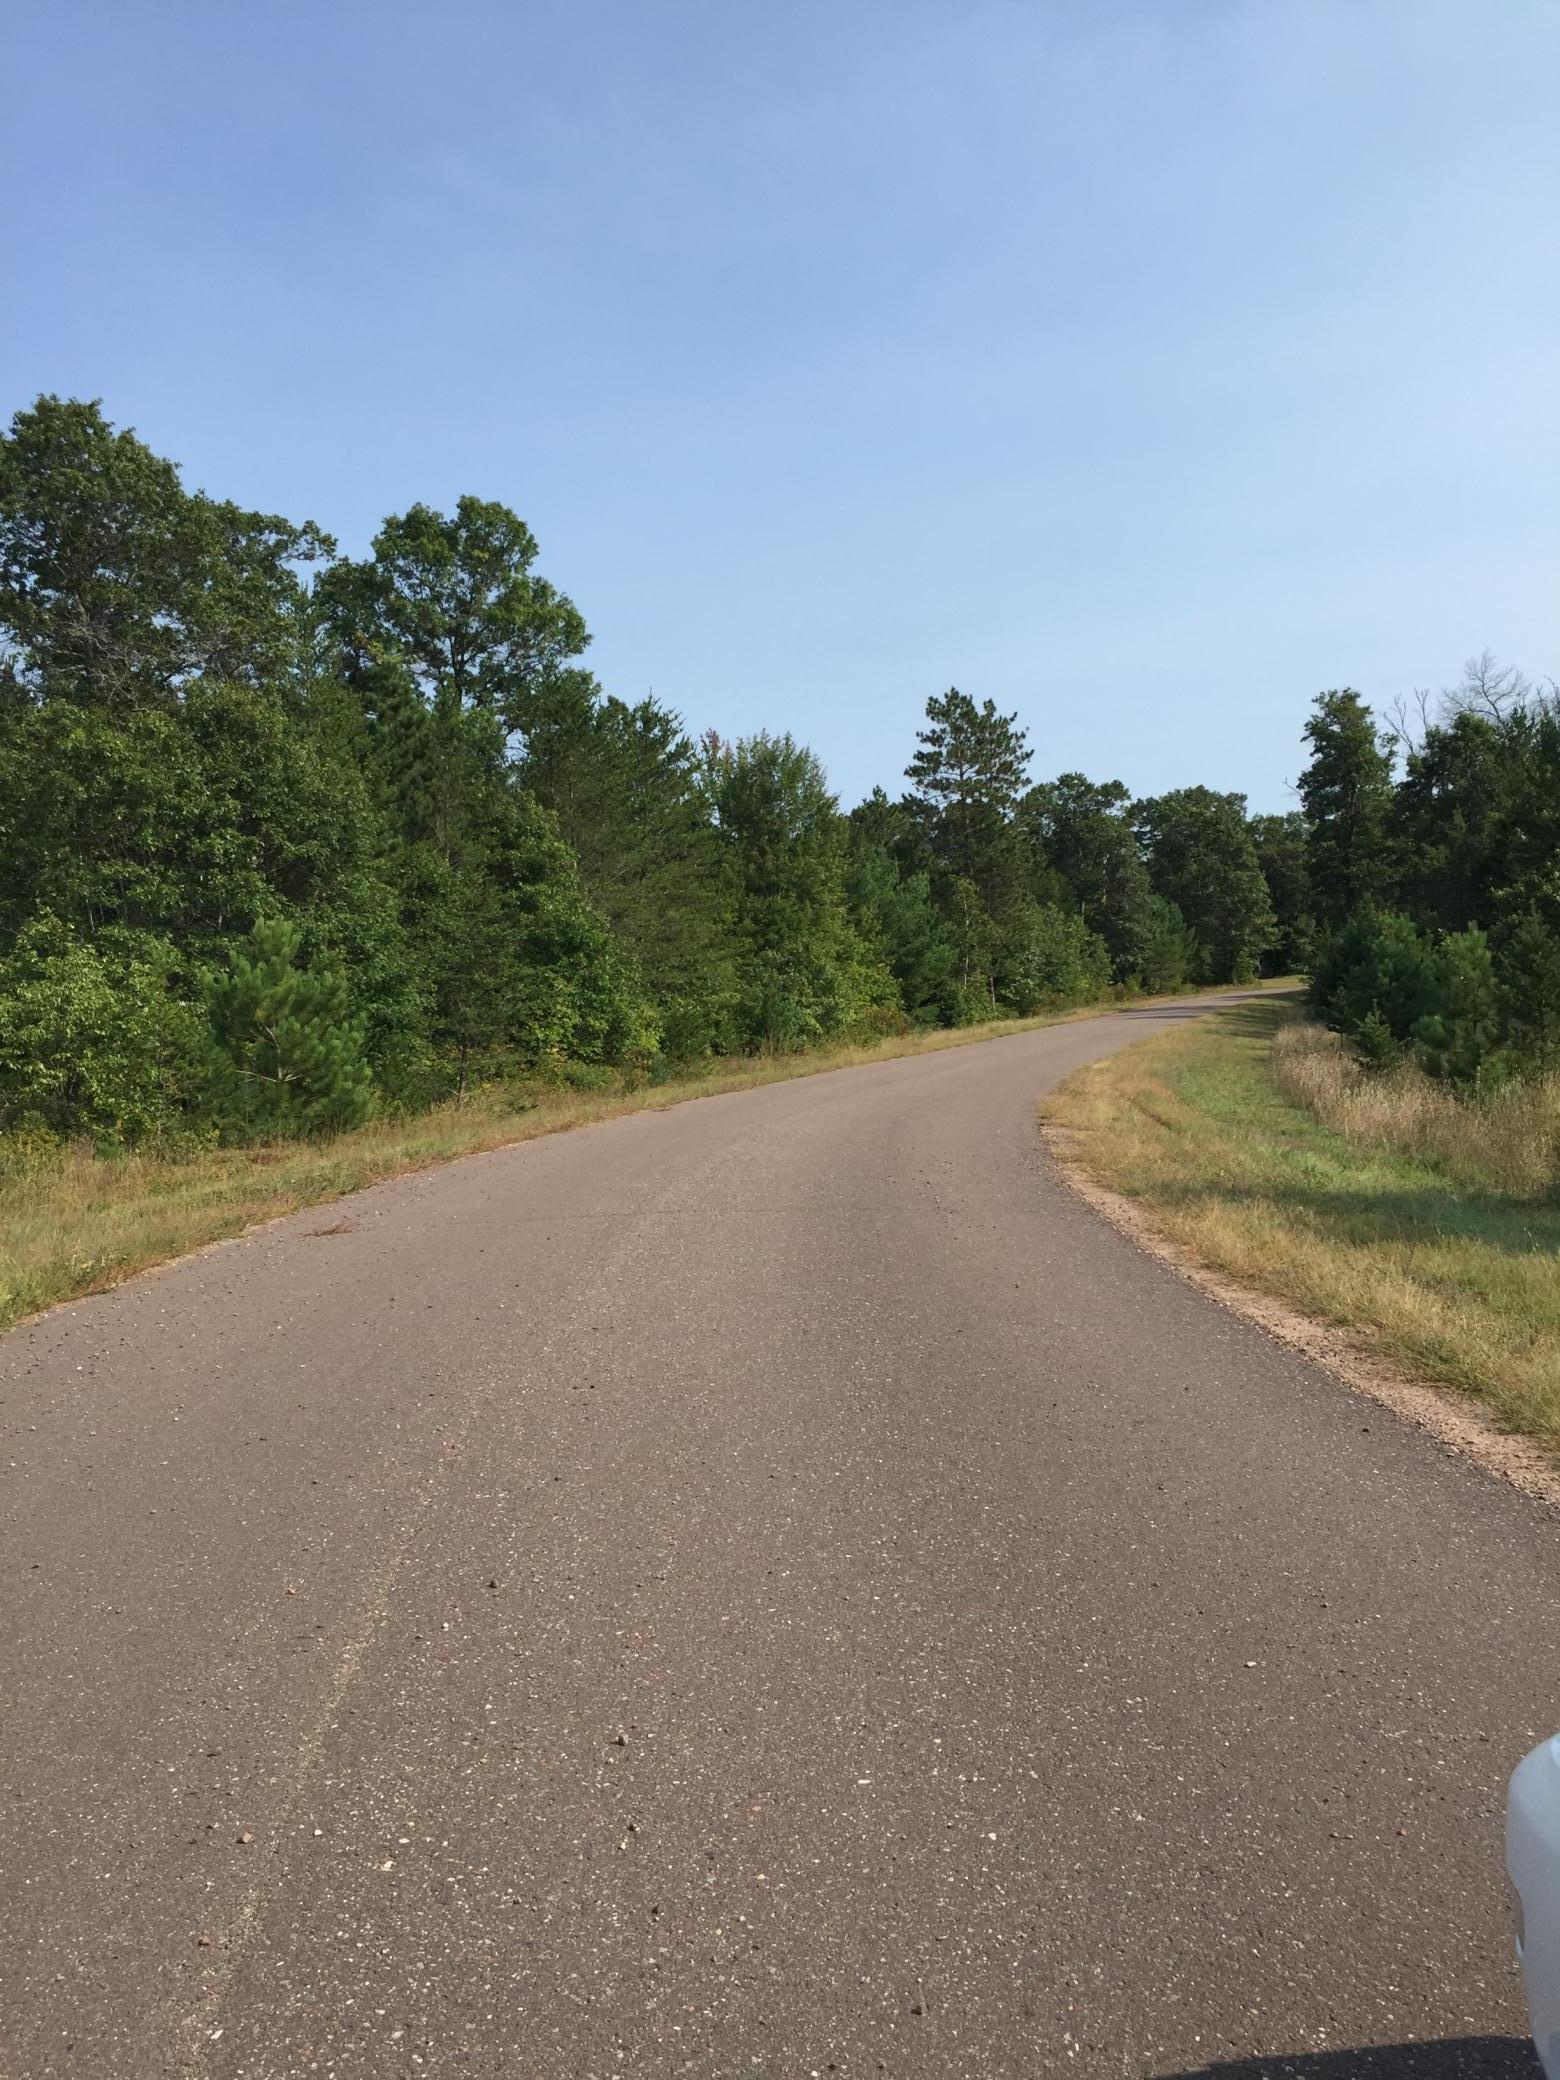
1429 1231
86 1221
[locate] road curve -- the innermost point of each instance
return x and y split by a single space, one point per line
775 1586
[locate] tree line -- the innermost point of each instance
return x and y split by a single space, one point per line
1432 856
287 835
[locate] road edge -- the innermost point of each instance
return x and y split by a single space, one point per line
1457 1425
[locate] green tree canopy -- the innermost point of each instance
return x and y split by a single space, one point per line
118 586
625 785
1202 858
967 774
803 971
1283 851
1346 793
1082 829
454 601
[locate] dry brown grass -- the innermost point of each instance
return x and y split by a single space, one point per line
1508 1139
73 1221
1415 1250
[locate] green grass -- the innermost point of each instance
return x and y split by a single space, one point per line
1431 1233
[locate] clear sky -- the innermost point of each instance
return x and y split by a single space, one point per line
1147 367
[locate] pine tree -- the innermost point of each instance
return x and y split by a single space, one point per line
968 773
1346 792
287 1056
624 785
1530 973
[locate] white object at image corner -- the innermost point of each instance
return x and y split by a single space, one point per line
1533 1862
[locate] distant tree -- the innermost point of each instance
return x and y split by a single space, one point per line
900 828
1460 784
1081 828
168 759
1346 793
520 969
902 926
968 773
803 971
1525 824
1283 852
1530 976
1048 956
1202 858
625 787
118 586
459 655
455 601
173 763
1165 955
976 945
1488 688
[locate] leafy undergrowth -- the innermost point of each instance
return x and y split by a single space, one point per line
74 1221
1441 1251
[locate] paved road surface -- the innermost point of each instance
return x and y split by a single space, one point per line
774 1587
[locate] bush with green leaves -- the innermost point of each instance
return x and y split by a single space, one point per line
1048 957
1377 1046
1529 965
286 1055
1376 962
898 920
1392 989
95 1035
1460 1037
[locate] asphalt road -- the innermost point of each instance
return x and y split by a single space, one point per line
777 1586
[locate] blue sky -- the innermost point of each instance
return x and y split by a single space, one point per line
1147 367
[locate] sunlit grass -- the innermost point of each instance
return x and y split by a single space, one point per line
1428 1227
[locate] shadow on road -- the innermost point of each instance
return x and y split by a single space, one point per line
1452 2058
1163 1012
1247 1014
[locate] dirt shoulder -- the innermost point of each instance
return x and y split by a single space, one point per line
1432 1307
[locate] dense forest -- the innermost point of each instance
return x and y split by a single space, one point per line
286 837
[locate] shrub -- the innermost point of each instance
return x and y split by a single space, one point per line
1051 958
1374 963
286 1056
1387 987
95 1039
879 1022
1376 1043
969 1004
1458 1037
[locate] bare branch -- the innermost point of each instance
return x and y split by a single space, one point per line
1487 688
1409 715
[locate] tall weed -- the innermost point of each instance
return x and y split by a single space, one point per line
1507 1139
